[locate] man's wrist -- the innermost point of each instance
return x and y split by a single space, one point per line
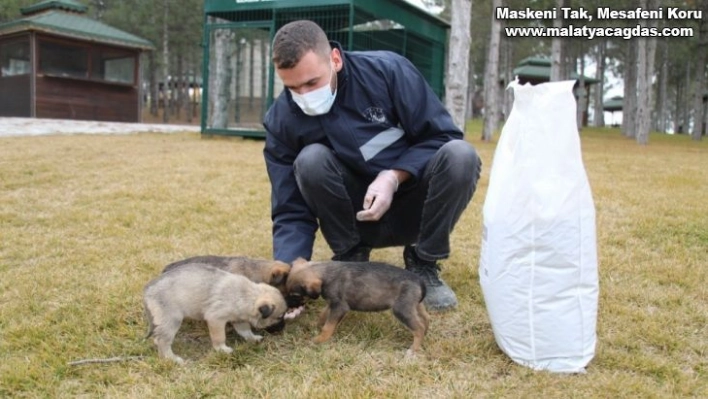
401 176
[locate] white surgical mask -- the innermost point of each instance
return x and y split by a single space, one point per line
318 101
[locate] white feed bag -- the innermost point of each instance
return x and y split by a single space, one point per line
538 263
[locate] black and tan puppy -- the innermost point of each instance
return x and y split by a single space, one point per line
271 272
361 286
202 292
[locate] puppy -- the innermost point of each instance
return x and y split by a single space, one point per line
202 292
361 286
271 272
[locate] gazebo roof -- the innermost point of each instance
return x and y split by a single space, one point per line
613 104
63 18
68 5
539 68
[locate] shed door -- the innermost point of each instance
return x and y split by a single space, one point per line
239 76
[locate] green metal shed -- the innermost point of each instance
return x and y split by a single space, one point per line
236 99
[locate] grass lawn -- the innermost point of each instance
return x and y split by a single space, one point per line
86 221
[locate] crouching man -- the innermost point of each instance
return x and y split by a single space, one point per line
360 146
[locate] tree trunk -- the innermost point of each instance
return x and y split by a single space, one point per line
569 64
705 119
154 89
599 88
678 115
219 88
191 87
557 56
701 50
252 73
165 61
662 101
491 79
456 83
629 105
178 86
471 90
265 50
644 120
645 72
686 100
237 68
642 89
508 68
582 93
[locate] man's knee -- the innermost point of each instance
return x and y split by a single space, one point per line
310 163
462 160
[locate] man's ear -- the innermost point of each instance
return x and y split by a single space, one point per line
337 60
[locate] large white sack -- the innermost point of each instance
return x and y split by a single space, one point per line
538 263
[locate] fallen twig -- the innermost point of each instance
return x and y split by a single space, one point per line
109 360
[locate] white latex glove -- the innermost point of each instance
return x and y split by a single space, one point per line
378 196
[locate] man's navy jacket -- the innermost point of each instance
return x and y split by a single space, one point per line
385 116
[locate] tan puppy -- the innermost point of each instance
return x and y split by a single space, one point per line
271 272
361 286
202 292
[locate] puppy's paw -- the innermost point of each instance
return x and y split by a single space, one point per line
255 338
320 339
177 359
223 348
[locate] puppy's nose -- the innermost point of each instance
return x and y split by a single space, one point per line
294 301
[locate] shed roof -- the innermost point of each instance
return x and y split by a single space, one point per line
411 16
63 18
539 68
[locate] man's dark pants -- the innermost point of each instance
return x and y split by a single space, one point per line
422 213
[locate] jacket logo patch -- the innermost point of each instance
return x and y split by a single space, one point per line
375 114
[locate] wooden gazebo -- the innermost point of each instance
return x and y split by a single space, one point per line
57 63
613 105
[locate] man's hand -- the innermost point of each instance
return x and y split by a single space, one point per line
379 196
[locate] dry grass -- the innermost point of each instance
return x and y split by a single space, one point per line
86 221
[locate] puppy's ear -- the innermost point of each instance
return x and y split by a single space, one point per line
313 288
266 310
278 279
279 274
299 262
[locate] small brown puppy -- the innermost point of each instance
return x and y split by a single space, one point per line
202 292
271 272
361 286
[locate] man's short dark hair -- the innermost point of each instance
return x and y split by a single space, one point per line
293 40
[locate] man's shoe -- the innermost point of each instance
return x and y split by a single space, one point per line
438 296
359 253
